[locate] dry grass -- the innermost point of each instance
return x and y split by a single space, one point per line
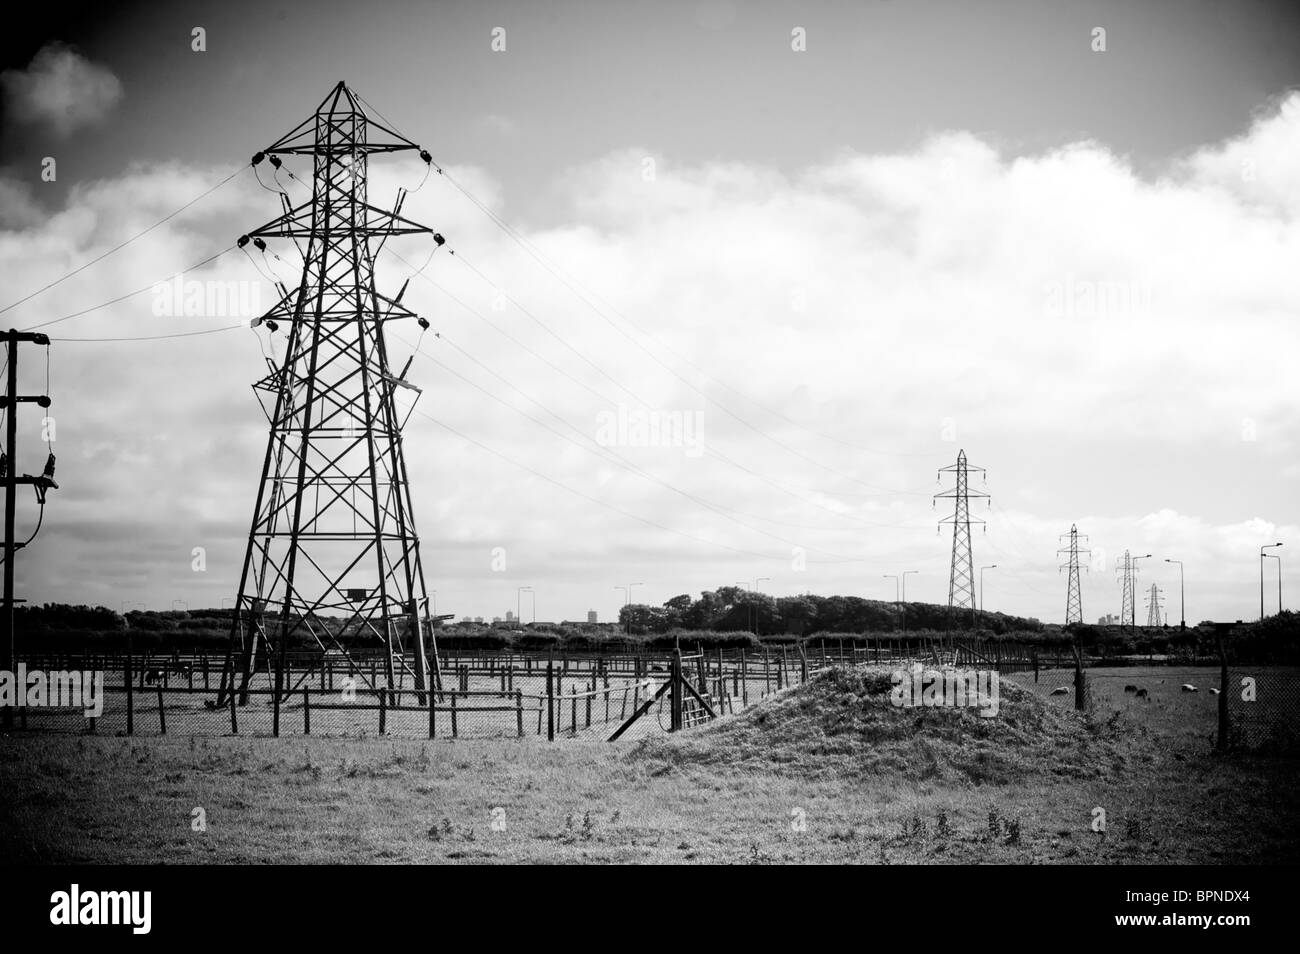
828 772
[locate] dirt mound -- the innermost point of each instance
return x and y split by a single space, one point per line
847 722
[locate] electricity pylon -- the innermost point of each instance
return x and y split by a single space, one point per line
333 551
1126 610
961 577
1153 606
1073 595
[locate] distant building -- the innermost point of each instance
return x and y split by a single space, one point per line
510 616
478 619
591 616
1110 619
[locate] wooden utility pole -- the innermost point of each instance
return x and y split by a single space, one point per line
11 480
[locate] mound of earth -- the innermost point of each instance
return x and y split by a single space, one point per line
845 722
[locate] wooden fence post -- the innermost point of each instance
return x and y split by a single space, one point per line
675 692
234 719
383 711
455 728
519 710
1224 727
130 692
1080 687
275 699
306 711
550 699
162 712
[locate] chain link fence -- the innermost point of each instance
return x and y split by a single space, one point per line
483 695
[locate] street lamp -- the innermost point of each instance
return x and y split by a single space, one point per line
519 591
627 601
1182 594
992 566
1270 546
893 576
903 579
1273 556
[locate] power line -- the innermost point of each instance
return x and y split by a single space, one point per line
620 461
122 245
182 334
713 451
122 298
536 254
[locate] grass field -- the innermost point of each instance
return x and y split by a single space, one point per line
827 772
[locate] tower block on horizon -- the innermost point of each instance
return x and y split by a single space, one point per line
961 577
333 550
1073 592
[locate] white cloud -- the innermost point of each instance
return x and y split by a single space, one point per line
62 89
1063 311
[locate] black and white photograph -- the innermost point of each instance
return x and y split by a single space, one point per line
694 432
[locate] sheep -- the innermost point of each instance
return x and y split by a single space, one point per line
1142 694
1214 692
1060 690
1188 687
152 675
1130 688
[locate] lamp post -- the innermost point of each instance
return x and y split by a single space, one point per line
1270 546
627 601
991 566
1182 595
753 610
903 579
1274 556
897 603
519 598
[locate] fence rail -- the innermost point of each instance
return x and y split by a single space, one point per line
513 694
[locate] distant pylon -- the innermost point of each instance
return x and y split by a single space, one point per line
1153 606
1126 569
332 553
961 576
1073 596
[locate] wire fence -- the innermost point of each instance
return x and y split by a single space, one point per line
500 694
484 694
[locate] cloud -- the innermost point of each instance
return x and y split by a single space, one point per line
1097 338
62 89
18 207
499 125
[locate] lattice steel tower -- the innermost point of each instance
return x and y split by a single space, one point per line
961 578
1126 608
333 549
1153 606
1073 594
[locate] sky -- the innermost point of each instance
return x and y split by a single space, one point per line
934 227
